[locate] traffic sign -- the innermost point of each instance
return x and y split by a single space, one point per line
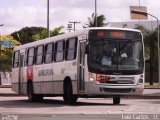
6 44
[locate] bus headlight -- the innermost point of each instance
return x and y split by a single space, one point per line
140 81
90 77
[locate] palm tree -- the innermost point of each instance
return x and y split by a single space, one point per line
57 31
150 43
100 21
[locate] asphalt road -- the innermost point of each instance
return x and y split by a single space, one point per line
82 117
18 108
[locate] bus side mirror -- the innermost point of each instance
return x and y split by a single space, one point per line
87 49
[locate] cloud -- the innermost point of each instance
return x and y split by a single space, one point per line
19 16
22 13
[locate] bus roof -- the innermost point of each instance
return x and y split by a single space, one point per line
68 35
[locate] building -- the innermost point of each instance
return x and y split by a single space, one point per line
152 25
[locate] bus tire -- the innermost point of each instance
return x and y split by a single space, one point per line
39 98
116 100
31 96
68 96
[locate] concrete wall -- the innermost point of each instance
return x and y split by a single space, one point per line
6 78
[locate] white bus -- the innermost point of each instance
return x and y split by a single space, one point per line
94 62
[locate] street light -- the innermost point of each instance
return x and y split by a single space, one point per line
139 2
95 13
48 18
0 56
146 13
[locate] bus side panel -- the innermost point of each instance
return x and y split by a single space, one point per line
58 77
71 71
15 80
61 71
47 80
37 78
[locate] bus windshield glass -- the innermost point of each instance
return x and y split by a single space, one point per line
115 55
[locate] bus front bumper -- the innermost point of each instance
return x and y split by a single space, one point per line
100 89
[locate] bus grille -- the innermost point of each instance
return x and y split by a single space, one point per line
119 90
119 80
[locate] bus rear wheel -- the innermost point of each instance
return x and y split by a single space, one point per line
68 96
31 96
116 100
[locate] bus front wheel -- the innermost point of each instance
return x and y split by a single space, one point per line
68 96
116 100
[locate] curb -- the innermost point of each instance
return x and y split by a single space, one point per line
5 86
149 96
10 95
151 88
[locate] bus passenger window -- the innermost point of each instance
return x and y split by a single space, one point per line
30 57
49 53
39 55
59 51
71 49
16 59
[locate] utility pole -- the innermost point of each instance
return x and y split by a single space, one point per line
0 58
95 13
74 24
48 18
139 2
139 6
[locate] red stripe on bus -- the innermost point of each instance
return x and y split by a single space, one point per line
30 73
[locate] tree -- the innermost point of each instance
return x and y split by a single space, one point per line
25 35
100 21
31 34
150 43
44 33
41 35
6 53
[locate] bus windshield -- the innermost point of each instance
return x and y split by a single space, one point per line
115 56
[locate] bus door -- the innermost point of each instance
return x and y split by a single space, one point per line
81 76
21 78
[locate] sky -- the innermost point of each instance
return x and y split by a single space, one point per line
16 14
